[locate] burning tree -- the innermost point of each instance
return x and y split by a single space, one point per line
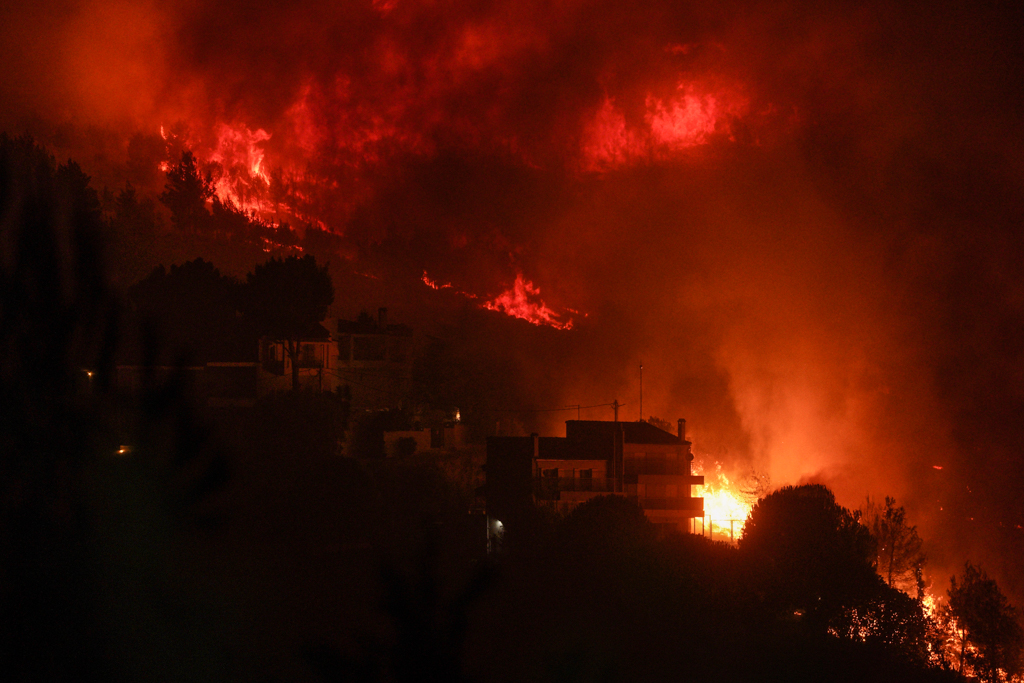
899 558
984 626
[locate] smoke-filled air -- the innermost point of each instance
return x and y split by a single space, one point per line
803 220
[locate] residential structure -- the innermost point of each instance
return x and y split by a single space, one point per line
370 356
632 459
447 436
374 359
314 360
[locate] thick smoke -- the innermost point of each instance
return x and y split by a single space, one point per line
802 219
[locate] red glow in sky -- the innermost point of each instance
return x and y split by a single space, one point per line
806 217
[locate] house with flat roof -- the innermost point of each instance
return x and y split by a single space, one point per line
632 459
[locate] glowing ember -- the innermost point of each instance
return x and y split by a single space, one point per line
523 301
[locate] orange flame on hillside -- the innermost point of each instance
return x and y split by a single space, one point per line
433 283
670 126
523 301
243 179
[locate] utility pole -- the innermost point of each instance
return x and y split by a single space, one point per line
641 392
615 407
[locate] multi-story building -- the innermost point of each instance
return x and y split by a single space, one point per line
374 358
632 459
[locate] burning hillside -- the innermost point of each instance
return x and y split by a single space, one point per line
804 219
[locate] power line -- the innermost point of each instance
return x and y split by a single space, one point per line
548 410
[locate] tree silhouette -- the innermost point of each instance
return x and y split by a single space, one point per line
192 307
86 554
899 559
186 192
288 298
810 555
133 241
986 626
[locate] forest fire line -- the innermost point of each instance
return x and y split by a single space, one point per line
238 171
329 141
521 300
812 285
685 106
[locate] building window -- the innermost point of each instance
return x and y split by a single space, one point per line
586 480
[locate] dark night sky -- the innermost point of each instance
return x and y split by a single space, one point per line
802 218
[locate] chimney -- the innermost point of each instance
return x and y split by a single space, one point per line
382 319
682 429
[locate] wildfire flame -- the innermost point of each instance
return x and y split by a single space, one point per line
243 180
725 506
433 284
689 119
523 301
